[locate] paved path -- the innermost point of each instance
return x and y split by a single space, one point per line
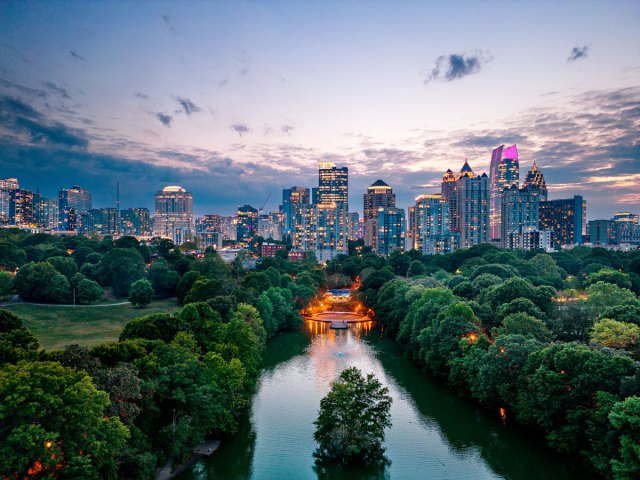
64 304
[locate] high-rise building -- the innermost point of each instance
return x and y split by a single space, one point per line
626 229
379 195
72 202
230 228
625 217
472 197
601 232
390 230
430 225
520 213
567 219
448 191
270 226
354 225
21 211
247 224
135 222
46 212
102 221
535 178
6 185
290 198
209 223
331 231
303 233
504 172
333 184
174 214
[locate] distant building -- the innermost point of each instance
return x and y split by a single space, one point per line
6 185
21 212
291 198
536 179
331 231
102 221
209 223
390 230
174 214
567 219
247 224
472 197
135 222
229 227
519 213
429 225
354 225
270 249
601 232
46 212
270 226
379 195
72 202
333 184
504 172
448 191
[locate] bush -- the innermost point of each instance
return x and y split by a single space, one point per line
141 293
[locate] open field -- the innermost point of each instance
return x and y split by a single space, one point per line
57 326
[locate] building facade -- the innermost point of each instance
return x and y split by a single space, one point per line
473 195
430 225
519 213
72 202
247 224
135 222
566 218
390 230
174 214
6 186
504 171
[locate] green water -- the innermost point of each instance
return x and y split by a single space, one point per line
435 435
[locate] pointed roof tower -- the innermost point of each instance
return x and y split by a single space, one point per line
466 171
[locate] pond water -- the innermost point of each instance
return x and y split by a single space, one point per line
435 435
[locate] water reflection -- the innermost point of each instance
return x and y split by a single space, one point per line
434 435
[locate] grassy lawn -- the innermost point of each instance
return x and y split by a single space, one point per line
56 327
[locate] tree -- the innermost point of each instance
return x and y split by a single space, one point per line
603 295
64 265
40 282
610 275
88 291
52 419
352 418
625 419
120 268
416 268
163 279
614 334
141 293
6 285
525 325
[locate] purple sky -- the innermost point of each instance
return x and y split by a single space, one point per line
236 100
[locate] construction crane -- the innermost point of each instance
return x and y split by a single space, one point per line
265 203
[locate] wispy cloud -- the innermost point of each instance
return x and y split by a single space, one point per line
76 55
578 53
240 128
141 96
57 90
164 119
169 23
457 65
187 105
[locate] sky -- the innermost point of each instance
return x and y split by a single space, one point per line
237 100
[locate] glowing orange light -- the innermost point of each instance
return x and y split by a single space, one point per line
501 349
473 337
48 444
503 415
36 468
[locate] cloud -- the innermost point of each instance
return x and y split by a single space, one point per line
164 119
168 21
77 56
287 129
240 128
57 90
578 53
457 65
141 96
187 105
27 125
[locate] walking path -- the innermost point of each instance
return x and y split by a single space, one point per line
64 304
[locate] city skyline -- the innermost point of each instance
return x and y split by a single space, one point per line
237 101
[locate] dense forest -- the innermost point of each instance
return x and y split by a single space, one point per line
551 341
118 410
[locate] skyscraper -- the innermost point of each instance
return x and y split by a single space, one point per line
567 219
72 202
379 195
98 220
21 208
519 214
290 198
247 224
6 185
391 228
448 191
174 214
46 212
535 178
333 184
331 231
431 225
472 197
504 172
135 222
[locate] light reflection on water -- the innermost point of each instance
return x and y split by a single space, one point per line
434 435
